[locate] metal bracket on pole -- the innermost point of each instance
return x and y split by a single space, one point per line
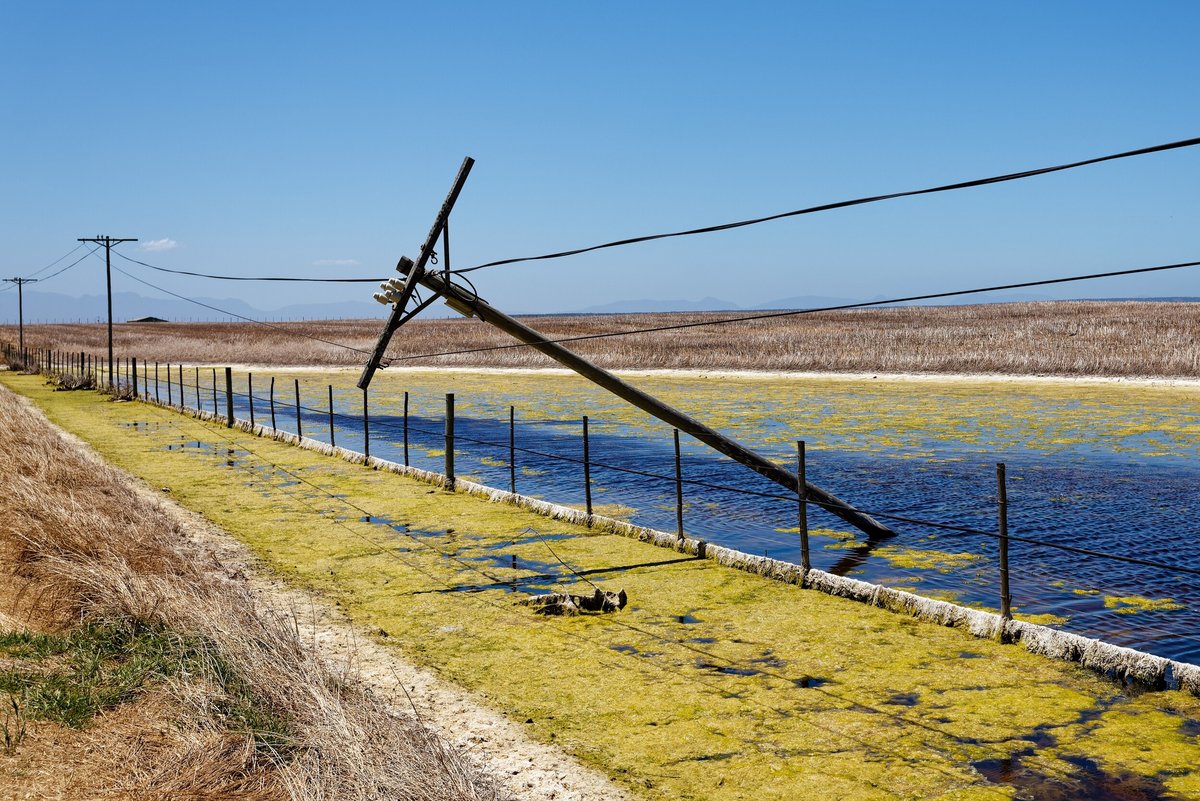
467 302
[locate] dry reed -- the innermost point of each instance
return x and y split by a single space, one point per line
1069 338
90 547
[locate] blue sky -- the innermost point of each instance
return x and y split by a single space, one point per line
296 138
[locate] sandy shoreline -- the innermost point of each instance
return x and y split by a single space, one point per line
756 375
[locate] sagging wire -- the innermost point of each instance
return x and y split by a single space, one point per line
839 205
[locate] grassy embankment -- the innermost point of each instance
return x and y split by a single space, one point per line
713 684
132 667
1070 338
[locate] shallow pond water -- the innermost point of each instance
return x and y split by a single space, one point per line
1107 467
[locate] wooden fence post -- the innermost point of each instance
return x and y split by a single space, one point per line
450 439
366 427
332 443
229 397
250 397
802 511
157 387
299 419
512 449
273 426
214 386
587 469
133 372
1002 498
198 406
678 488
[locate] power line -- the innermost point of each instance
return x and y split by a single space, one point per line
241 317
796 312
56 261
248 278
69 266
284 329
840 205
51 264
899 518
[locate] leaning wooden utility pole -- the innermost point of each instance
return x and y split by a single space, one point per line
466 302
400 295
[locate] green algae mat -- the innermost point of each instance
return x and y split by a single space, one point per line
710 684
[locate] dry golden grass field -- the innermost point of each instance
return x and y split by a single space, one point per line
1069 338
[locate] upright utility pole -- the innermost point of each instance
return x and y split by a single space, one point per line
108 243
21 282
465 301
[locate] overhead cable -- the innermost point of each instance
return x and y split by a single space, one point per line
51 264
56 261
252 278
797 312
288 331
840 205
69 266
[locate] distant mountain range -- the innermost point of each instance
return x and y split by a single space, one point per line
41 307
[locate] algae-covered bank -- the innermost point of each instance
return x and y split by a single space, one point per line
712 683
1105 466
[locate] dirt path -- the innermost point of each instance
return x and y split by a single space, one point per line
498 746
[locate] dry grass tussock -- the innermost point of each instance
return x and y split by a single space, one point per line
1071 338
253 714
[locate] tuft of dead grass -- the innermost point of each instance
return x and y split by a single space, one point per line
253 713
1069 338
